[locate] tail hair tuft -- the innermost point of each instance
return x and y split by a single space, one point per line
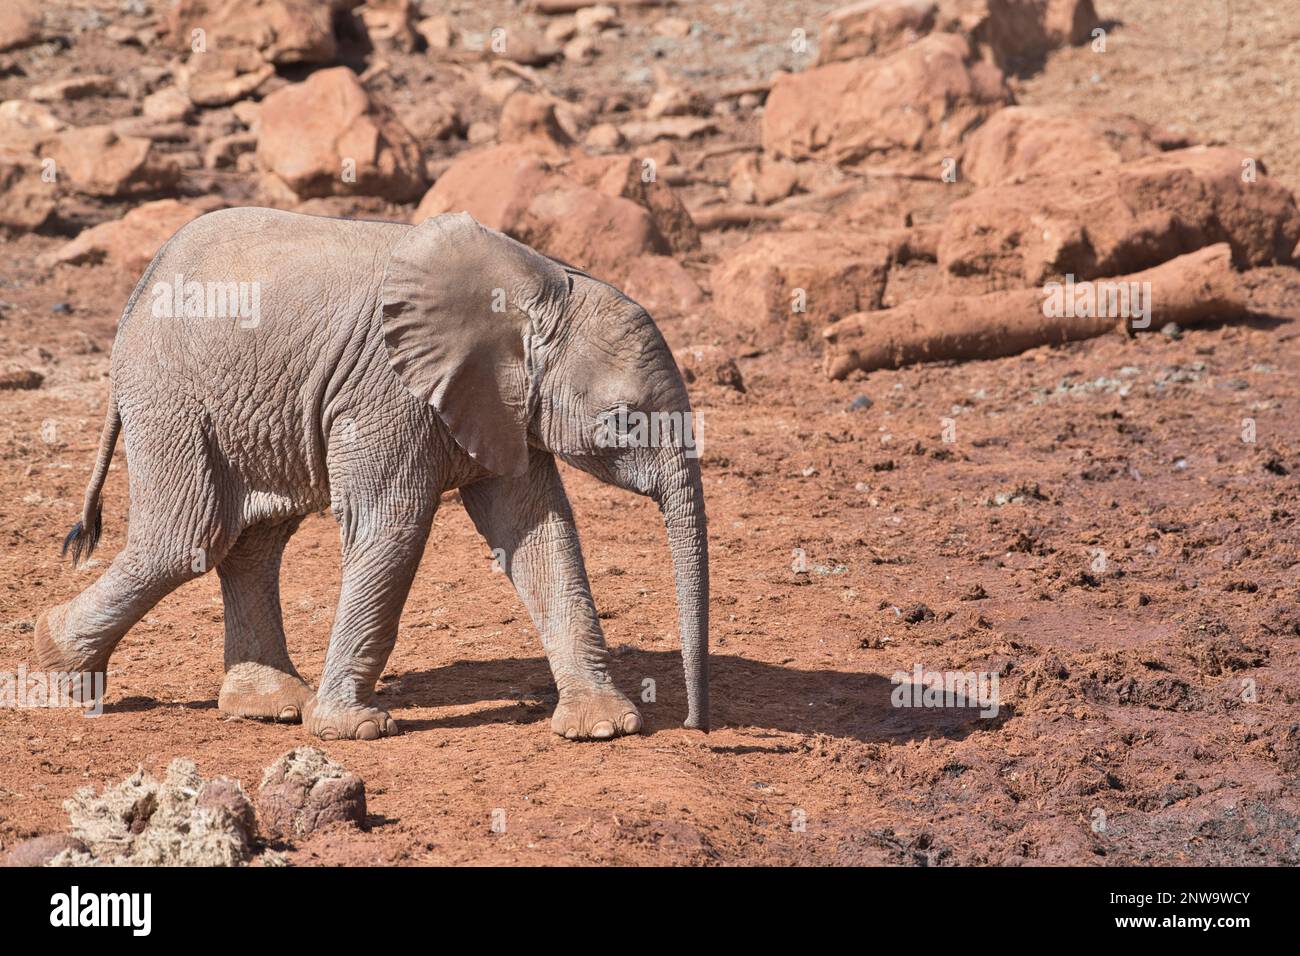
81 541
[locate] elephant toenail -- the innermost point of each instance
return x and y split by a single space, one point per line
329 733
289 714
367 730
631 723
571 733
603 730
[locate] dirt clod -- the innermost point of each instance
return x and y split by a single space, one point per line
305 790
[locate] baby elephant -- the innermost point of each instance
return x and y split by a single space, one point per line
269 364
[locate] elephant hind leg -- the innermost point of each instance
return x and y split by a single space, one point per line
78 637
261 681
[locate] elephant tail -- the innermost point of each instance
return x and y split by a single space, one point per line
85 534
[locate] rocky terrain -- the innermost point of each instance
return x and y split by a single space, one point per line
846 221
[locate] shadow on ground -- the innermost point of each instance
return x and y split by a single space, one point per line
744 693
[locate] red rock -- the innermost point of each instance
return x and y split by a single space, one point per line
709 365
390 22
603 137
223 77
874 28
639 132
924 97
1015 35
593 212
762 180
324 137
631 177
788 285
225 150
96 160
530 119
1118 220
280 31
129 243
26 200
1021 142
437 32
20 23
73 88
431 117
662 286
519 47
168 105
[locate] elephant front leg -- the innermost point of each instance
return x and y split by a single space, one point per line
529 526
380 555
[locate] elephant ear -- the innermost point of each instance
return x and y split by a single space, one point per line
459 304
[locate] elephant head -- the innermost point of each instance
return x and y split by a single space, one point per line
513 349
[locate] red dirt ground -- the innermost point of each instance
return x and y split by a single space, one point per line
1124 735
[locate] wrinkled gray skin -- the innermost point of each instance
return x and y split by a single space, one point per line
379 376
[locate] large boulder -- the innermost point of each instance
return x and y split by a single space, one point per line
1117 220
97 161
325 137
1021 142
281 31
788 285
924 97
662 286
599 213
629 177
874 28
129 243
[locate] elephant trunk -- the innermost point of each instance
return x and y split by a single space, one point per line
682 504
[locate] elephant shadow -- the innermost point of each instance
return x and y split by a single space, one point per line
743 693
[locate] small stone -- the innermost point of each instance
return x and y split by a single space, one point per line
604 137
674 28
438 32
74 88
595 19
480 132
580 49
1170 330
860 403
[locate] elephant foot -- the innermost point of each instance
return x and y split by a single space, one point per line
595 715
262 692
332 722
55 655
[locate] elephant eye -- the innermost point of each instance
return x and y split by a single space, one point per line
613 425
